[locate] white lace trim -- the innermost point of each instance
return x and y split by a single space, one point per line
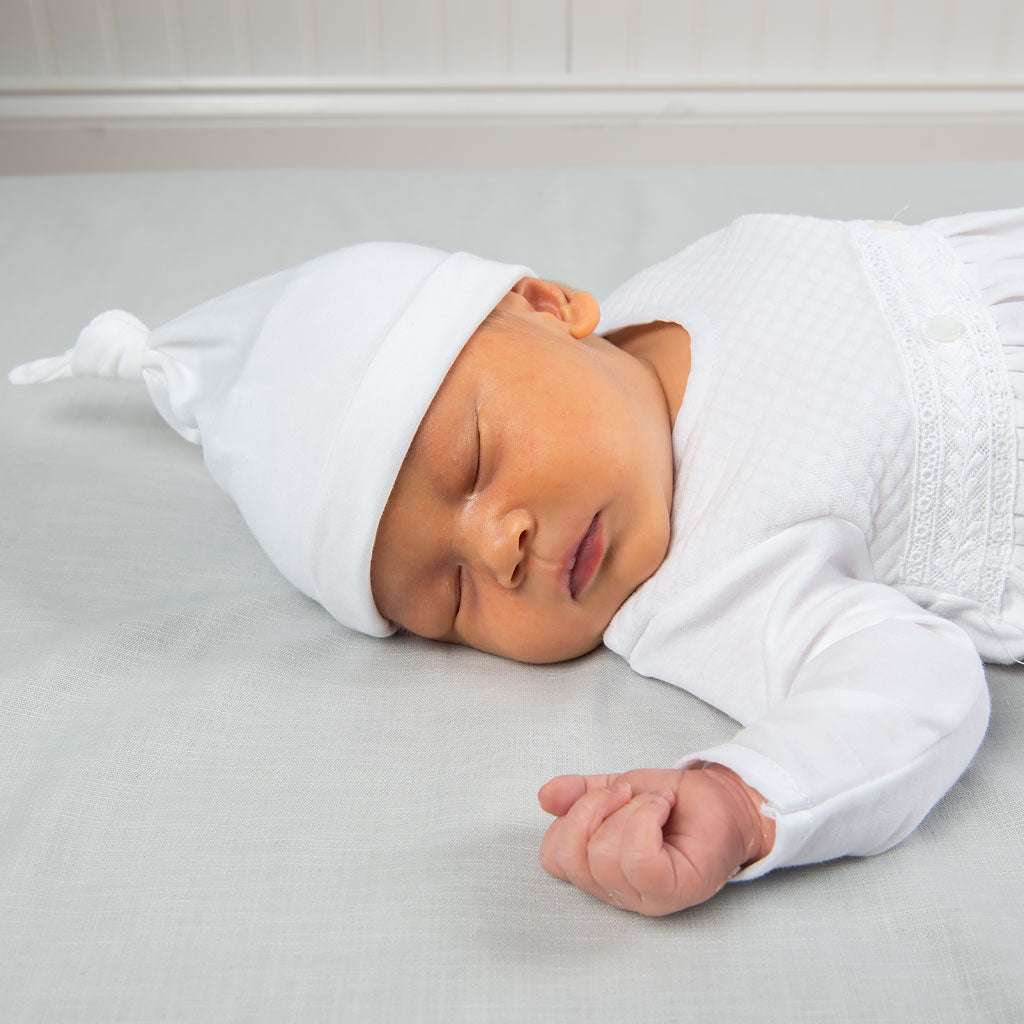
960 538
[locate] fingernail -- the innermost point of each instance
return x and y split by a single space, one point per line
621 788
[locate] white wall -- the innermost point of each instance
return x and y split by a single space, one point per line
166 83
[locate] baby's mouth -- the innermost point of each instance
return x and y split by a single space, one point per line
584 561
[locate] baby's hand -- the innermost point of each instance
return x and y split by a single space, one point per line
653 840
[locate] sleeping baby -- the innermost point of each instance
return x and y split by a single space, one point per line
778 469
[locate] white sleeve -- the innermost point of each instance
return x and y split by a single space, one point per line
860 708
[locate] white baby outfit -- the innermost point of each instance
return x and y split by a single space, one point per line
846 530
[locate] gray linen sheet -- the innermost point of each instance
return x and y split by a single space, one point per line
216 804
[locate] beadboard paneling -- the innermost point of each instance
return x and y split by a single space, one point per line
808 42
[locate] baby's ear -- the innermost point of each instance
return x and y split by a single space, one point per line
579 311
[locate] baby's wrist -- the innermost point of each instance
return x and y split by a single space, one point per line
758 829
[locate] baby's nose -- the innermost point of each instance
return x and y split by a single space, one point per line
499 542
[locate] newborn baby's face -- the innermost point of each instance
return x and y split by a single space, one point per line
535 496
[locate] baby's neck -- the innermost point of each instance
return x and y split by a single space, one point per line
665 348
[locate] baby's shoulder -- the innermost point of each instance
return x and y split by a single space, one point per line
752 244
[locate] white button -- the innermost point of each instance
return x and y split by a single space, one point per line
944 328
888 225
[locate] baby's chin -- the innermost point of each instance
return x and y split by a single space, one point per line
534 651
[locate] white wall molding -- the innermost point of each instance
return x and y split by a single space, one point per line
304 123
106 84
593 99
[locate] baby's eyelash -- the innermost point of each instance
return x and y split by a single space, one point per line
479 447
458 592
472 489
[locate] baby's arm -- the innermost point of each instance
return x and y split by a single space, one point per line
861 709
653 840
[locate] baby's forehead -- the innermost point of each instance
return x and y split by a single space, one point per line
485 348
449 418
513 353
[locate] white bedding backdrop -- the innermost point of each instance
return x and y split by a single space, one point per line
216 804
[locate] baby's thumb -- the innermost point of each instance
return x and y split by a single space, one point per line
561 792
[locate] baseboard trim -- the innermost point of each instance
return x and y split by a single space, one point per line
176 126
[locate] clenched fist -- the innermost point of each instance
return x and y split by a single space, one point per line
653 840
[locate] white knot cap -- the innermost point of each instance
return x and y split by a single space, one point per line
111 346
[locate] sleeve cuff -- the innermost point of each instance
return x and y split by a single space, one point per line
784 802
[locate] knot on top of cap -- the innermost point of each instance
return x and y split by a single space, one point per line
112 345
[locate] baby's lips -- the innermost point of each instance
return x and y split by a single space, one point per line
587 557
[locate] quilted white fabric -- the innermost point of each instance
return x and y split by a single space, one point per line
848 421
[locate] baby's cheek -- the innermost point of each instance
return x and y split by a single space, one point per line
537 636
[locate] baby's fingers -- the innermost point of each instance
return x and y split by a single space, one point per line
560 793
646 864
563 851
